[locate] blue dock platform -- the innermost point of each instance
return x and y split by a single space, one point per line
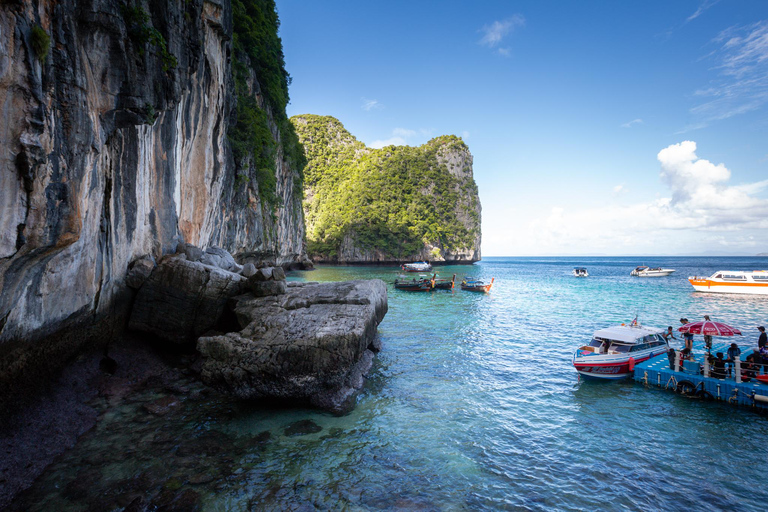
690 381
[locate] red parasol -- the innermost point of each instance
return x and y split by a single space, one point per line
710 328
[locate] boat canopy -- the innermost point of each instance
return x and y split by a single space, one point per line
626 334
579 268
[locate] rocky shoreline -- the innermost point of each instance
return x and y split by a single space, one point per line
200 319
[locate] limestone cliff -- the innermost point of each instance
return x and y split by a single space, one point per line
394 204
114 144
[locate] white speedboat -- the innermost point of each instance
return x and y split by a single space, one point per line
580 272
419 266
733 281
614 351
643 271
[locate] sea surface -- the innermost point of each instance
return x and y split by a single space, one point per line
471 405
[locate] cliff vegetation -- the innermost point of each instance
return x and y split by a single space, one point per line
391 204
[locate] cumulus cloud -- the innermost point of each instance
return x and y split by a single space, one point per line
392 141
701 208
494 33
400 137
632 122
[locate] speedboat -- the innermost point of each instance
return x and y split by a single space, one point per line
419 266
614 351
580 272
732 281
643 271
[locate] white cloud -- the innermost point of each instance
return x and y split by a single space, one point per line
494 33
403 132
369 105
392 141
632 122
465 134
741 59
700 211
706 4
506 52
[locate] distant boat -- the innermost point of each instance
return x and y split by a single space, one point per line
614 351
643 271
411 284
580 272
443 284
419 266
476 285
732 281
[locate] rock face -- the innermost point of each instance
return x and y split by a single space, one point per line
115 147
311 345
388 205
183 299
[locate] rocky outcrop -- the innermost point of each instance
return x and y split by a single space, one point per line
183 299
114 137
309 346
389 205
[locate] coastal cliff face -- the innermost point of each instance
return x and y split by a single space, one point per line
394 204
114 145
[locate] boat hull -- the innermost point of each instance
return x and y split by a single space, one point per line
709 286
611 367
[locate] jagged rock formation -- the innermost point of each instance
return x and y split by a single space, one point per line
394 204
114 138
310 346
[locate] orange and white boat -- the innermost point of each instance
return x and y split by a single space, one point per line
733 281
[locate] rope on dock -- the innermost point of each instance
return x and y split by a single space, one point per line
673 380
645 378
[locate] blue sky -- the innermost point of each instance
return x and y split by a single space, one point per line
596 127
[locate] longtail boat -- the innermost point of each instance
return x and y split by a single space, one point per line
444 284
476 285
409 284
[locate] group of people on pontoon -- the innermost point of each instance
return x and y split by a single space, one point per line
722 364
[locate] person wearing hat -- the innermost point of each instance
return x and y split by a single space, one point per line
732 354
763 339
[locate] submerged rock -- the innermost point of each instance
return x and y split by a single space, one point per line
310 345
302 428
182 299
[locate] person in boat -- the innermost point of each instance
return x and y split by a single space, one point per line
687 336
604 347
718 366
762 340
668 334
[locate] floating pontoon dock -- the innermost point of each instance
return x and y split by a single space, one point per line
690 381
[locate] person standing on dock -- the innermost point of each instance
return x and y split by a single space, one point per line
687 336
763 339
668 334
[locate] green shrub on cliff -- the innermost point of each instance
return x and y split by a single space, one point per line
257 49
395 200
40 41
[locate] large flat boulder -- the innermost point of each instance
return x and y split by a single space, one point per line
309 346
181 299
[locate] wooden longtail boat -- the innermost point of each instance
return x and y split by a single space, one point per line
409 284
476 285
444 284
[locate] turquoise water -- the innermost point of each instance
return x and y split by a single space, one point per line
472 405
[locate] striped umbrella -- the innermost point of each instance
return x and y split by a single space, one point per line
710 328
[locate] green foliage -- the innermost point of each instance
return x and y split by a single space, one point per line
142 32
257 50
41 42
150 113
395 200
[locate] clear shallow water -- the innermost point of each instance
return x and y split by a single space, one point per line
472 405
